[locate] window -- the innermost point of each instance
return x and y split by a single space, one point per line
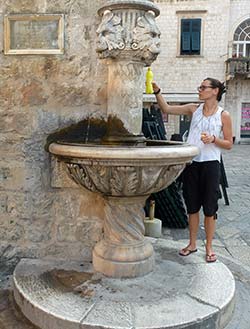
241 44
190 36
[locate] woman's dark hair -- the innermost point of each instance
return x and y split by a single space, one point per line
217 84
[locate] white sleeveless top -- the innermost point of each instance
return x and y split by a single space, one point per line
211 125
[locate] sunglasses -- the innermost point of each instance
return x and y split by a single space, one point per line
204 88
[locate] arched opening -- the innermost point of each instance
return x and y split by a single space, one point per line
241 40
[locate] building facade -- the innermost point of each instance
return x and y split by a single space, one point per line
205 38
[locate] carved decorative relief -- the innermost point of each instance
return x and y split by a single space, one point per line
123 180
168 174
79 174
146 37
141 36
110 35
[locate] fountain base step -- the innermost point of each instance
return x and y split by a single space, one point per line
123 261
181 292
122 269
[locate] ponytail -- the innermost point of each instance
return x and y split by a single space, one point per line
217 84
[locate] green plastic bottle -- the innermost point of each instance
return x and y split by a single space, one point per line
149 80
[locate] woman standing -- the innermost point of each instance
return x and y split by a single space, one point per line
210 131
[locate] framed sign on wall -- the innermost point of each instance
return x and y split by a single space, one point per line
33 34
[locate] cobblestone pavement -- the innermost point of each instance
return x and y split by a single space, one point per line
232 243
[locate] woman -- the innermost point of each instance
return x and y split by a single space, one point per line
201 179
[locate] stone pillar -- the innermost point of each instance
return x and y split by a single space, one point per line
129 39
125 88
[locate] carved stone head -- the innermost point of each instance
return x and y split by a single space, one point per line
146 36
110 35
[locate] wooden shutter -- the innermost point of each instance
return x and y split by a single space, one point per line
196 35
185 36
190 36
196 41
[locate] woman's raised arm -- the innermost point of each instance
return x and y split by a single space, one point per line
187 109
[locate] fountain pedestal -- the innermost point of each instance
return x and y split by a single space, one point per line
124 252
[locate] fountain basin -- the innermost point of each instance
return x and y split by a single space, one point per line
124 171
125 176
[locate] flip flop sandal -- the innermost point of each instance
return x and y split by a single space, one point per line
186 252
211 258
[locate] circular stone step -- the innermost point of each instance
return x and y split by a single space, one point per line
181 292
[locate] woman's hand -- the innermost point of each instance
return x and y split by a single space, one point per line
155 87
206 138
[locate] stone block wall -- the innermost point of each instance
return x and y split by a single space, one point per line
240 10
39 94
184 73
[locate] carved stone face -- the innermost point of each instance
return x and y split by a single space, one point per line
143 39
146 34
110 33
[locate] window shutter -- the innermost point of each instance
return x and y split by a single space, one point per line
186 41
185 35
196 41
196 35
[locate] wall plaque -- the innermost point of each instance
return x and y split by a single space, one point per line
33 34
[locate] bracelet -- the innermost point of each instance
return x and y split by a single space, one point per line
214 139
157 92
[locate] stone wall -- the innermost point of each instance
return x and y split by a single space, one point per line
239 11
39 94
184 73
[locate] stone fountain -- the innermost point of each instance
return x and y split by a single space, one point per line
125 170
126 176
126 288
